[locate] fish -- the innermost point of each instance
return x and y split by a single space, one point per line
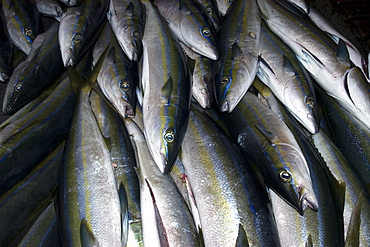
47 125
166 218
89 206
190 26
321 228
343 172
327 62
123 162
72 2
23 22
281 71
237 67
42 67
229 194
267 141
118 76
6 50
79 27
43 232
223 6
50 8
127 21
166 89
23 202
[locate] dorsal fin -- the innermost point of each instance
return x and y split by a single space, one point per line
130 8
353 233
166 90
87 236
271 137
342 53
288 66
309 241
124 213
184 8
242 240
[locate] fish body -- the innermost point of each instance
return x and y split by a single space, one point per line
166 87
266 139
118 76
6 50
22 203
280 70
190 26
23 22
89 206
127 21
212 12
42 67
344 173
327 62
239 40
123 161
79 26
47 125
231 200
223 6
166 218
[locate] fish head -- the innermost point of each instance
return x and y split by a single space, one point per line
290 178
72 33
24 38
20 89
202 89
358 89
201 40
165 134
302 104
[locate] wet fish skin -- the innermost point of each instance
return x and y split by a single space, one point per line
324 227
166 86
239 40
190 26
166 218
6 50
47 125
79 27
203 82
22 203
223 6
221 179
23 22
127 21
123 162
275 150
87 193
118 76
212 12
42 67
51 8
280 70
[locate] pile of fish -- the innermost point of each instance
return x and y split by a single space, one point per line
181 123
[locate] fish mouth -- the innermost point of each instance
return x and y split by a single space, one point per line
311 124
225 106
68 58
3 77
307 199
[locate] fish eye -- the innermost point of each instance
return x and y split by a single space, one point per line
169 136
18 87
229 1
124 86
209 10
136 34
310 102
77 38
27 31
225 80
285 176
206 32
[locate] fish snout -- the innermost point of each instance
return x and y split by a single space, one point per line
307 199
68 58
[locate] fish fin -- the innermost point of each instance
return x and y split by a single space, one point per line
87 236
339 189
184 8
130 8
288 66
353 232
236 51
264 71
112 54
242 240
166 90
271 137
124 213
309 241
342 53
309 61
201 238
